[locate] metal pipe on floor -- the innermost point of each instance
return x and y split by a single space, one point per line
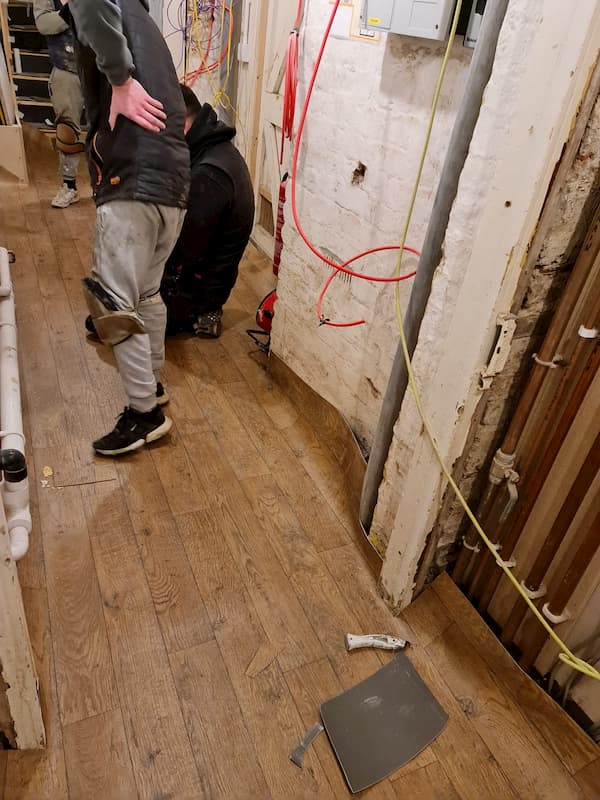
14 488
505 457
431 252
555 610
533 582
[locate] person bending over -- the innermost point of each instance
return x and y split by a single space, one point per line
139 166
202 269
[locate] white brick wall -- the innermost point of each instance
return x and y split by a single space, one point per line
371 104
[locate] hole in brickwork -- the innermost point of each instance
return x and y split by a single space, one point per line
358 175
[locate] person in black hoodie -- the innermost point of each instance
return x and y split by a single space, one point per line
203 267
140 170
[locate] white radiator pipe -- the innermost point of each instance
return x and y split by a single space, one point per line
15 495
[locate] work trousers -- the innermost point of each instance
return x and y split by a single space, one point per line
67 102
132 243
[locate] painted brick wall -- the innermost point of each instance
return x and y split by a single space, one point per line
370 105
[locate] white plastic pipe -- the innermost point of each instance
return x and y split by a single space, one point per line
15 496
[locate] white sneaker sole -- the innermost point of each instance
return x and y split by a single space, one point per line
64 205
157 433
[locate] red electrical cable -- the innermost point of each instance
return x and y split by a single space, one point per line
190 79
290 81
337 267
324 320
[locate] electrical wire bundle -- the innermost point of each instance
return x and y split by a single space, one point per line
206 31
210 38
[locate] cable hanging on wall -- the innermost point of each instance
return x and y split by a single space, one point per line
206 31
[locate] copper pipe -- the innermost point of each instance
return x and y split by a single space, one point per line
577 366
564 589
570 375
555 537
485 582
577 280
467 554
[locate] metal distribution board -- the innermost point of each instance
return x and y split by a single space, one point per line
426 19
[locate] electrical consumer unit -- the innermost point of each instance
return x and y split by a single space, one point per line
426 19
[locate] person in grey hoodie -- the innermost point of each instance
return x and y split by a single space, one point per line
65 94
140 170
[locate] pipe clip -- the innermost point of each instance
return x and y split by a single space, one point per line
512 478
554 364
508 564
588 333
553 618
533 594
501 465
507 325
474 548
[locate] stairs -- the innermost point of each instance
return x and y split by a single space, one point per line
31 67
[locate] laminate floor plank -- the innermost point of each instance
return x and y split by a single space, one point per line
85 678
428 783
241 452
517 746
98 761
563 736
209 704
161 753
588 779
178 603
271 717
315 513
265 580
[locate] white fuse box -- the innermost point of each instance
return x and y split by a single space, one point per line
426 19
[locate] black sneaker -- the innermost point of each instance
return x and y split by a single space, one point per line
162 398
208 324
133 430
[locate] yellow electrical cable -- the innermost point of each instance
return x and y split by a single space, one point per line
566 655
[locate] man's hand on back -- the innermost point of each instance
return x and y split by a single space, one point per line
133 101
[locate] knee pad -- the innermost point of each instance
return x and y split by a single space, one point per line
112 324
67 137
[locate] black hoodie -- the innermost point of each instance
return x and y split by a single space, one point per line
203 267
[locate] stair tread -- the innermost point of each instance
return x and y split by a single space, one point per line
33 101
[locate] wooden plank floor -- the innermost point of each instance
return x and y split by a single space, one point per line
187 604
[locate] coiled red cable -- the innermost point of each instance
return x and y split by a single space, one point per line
291 86
290 81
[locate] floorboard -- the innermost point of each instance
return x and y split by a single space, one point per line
187 604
